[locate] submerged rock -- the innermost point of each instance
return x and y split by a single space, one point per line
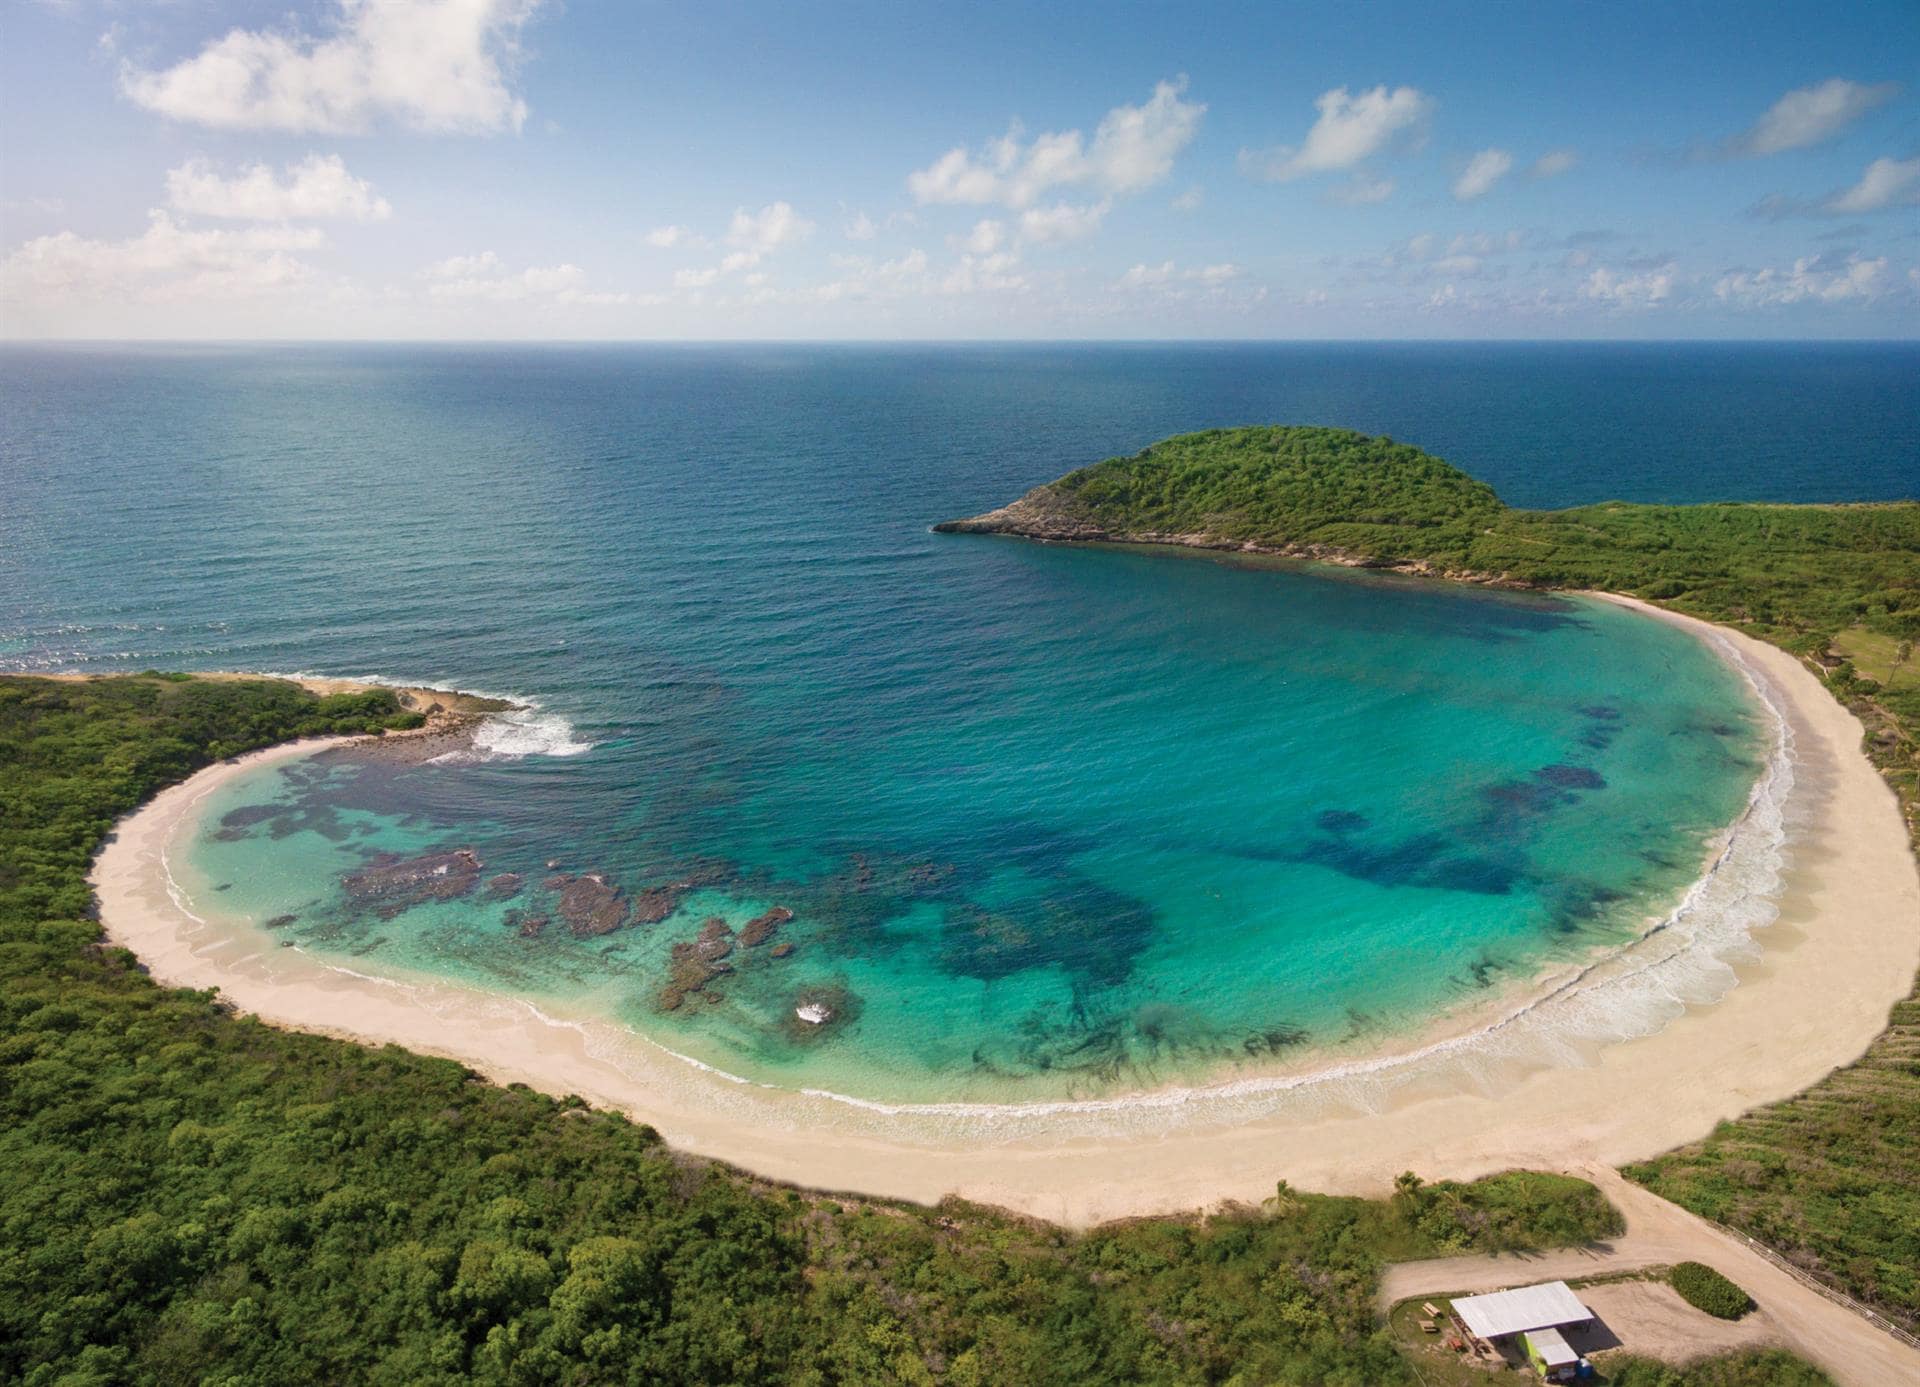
760 928
820 1011
784 949
715 940
505 886
592 906
1571 777
281 921
655 903
527 925
401 882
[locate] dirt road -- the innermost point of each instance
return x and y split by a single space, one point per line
1854 1352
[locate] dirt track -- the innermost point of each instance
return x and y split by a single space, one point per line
1854 1352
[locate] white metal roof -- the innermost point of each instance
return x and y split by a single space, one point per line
1515 1311
1551 1347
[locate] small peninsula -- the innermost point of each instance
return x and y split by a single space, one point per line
1791 573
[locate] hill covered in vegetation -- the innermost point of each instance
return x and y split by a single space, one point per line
1830 1178
189 1196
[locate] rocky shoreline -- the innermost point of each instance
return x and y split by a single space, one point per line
1048 515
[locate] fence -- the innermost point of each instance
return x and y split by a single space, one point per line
1814 1283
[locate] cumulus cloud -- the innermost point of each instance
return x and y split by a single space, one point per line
1349 129
318 187
1810 279
1145 276
487 278
1886 183
861 227
1063 221
1553 163
986 237
773 226
753 236
1190 200
1810 115
1641 289
1484 170
985 274
668 237
438 65
1133 148
167 261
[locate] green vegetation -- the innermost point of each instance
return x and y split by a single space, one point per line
1830 1178
1797 574
1757 1368
1706 1289
188 1196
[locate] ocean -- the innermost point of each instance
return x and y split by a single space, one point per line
1051 823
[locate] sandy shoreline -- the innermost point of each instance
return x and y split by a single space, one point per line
1844 948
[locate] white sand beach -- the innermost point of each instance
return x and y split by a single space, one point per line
1844 947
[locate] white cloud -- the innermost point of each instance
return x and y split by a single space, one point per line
440 66
1189 200
1062 222
464 266
486 278
861 228
1484 170
1553 163
773 226
1361 191
1644 289
668 237
1134 147
167 261
979 274
1810 115
1155 276
1349 129
863 280
317 187
986 237
753 236
1886 183
1811 279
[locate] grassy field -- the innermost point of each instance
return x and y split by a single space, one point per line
1830 1178
188 1196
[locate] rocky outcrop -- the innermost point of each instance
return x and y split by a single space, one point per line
592 906
396 883
761 928
505 886
696 963
1046 512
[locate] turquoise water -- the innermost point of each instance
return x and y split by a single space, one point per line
1049 821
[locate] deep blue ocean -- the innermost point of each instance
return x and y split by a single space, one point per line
1049 820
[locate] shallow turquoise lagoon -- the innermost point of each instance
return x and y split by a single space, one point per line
1140 819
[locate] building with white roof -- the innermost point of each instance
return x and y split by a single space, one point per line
1533 1315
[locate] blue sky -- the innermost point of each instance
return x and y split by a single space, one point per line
532 169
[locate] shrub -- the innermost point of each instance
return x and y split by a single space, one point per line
1706 1289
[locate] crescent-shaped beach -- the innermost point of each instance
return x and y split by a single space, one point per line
1844 948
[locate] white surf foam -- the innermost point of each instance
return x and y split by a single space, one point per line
526 729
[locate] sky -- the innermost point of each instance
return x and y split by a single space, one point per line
652 169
